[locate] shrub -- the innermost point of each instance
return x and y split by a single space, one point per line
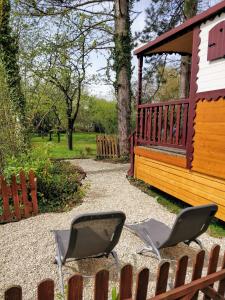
58 183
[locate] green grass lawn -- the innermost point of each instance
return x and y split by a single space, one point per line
84 145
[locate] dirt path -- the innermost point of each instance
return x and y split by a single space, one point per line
28 248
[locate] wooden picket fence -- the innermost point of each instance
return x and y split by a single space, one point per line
18 199
180 290
107 146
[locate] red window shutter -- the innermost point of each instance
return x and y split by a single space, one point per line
216 43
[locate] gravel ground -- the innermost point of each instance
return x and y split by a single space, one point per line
28 247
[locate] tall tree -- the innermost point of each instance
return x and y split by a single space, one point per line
122 66
9 56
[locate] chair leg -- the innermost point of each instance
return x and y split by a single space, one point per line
115 256
197 241
59 263
148 249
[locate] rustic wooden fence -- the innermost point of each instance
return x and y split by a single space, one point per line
107 146
180 290
19 198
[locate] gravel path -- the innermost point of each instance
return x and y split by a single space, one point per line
28 249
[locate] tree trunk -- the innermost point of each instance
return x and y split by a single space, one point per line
190 10
70 138
185 68
122 66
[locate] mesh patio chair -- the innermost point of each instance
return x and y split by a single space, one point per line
189 225
90 235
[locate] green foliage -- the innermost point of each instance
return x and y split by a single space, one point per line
58 183
9 56
115 295
82 141
11 138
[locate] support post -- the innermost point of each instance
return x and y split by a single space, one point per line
139 93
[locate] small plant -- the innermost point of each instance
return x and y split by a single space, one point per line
82 154
88 150
115 295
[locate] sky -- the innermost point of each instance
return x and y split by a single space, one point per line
98 61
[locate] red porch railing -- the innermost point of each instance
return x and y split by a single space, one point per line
163 124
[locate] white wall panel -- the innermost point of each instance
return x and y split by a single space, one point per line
211 74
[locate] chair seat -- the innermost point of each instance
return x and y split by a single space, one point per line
157 231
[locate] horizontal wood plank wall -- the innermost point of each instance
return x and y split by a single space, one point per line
191 187
209 138
174 159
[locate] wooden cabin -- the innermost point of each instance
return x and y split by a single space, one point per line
179 146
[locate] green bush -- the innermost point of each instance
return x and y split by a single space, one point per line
58 182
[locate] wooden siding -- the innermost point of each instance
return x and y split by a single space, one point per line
211 73
171 158
191 187
209 138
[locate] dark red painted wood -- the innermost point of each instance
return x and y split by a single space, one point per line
101 285
165 123
197 268
46 290
178 124
13 293
75 288
181 271
216 42
150 125
16 200
160 124
213 262
141 124
142 284
171 102
5 200
24 194
33 191
162 278
184 124
126 279
171 124
221 286
155 124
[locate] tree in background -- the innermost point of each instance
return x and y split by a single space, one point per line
9 57
122 66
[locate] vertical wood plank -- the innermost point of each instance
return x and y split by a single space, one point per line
24 194
213 262
162 278
15 196
13 293
221 286
101 285
154 124
75 288
141 125
5 200
150 125
159 124
171 124
177 124
46 290
165 124
197 268
142 284
181 271
126 279
146 124
33 191
184 124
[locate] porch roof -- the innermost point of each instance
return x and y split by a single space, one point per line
180 38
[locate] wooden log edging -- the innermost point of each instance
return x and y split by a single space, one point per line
19 198
45 290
